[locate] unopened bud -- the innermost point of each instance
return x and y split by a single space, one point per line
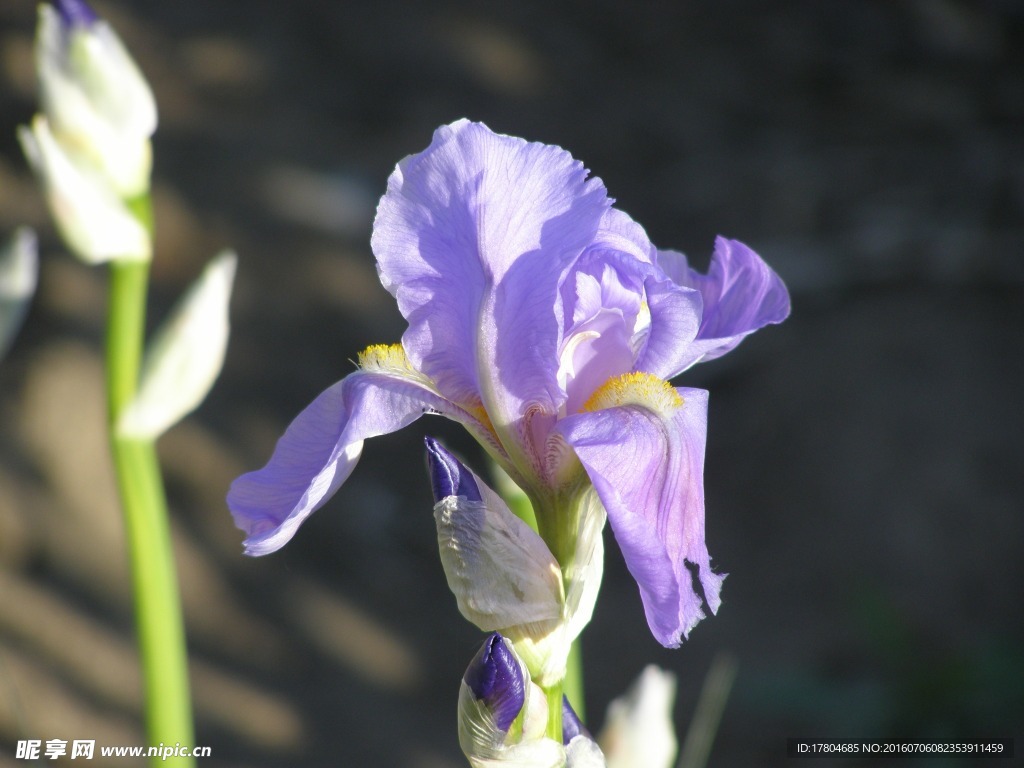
501 572
99 105
638 728
93 220
502 713
19 269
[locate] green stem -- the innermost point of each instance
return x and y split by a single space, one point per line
554 696
159 624
573 683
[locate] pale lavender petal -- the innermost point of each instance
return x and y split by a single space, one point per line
599 343
741 294
320 449
648 469
474 235
633 287
675 320
618 232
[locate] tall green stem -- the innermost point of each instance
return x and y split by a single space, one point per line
161 633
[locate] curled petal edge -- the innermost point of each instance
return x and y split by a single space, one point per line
321 447
646 463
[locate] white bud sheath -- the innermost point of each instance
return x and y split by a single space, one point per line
19 270
582 752
484 744
545 646
99 105
638 728
501 572
94 222
500 679
185 356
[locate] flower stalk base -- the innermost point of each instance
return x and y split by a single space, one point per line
161 633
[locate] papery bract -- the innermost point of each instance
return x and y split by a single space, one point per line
502 573
185 356
542 319
19 271
638 728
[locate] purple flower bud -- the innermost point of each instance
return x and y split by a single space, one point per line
495 676
571 725
448 476
75 13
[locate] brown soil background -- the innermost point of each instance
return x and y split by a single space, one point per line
864 487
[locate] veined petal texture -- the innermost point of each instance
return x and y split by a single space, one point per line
647 463
741 294
473 238
321 447
500 571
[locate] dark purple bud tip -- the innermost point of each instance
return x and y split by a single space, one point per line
495 677
571 725
75 13
448 477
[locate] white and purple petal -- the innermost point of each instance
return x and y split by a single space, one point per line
501 572
741 294
320 449
647 466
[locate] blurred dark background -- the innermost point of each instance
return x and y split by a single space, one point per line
864 484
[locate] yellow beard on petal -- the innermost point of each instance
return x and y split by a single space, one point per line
386 358
391 359
636 388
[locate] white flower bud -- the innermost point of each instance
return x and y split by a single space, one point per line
185 356
19 269
99 105
638 731
93 221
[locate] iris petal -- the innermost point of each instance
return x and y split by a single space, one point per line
320 449
473 238
741 294
646 464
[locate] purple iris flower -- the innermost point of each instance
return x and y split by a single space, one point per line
543 320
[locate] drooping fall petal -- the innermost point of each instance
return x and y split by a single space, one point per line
644 453
321 447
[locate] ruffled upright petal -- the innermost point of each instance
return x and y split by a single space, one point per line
473 238
741 294
645 457
320 449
